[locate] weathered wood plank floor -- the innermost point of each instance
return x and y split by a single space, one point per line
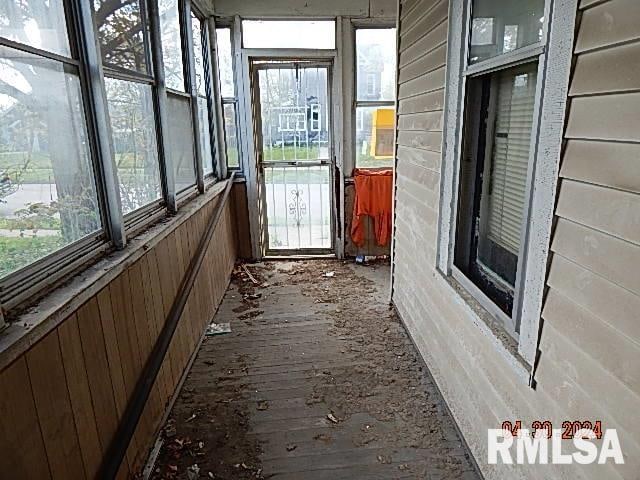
318 380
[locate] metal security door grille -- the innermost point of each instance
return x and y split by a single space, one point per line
295 162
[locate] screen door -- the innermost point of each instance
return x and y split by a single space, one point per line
295 163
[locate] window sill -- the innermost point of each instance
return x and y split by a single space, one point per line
504 344
40 319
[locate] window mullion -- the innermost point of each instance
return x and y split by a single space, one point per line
166 164
238 81
522 55
38 51
91 66
190 64
381 103
217 100
209 87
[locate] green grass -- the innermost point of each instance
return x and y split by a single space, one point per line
37 161
22 169
17 252
289 152
38 169
289 176
29 224
232 158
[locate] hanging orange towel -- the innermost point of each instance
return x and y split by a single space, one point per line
373 198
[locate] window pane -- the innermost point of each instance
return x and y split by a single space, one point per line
38 23
515 97
374 136
499 26
134 141
122 34
288 34
493 179
181 145
225 62
231 135
205 135
171 44
376 55
47 190
295 113
196 28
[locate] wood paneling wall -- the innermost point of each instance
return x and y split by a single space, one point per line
61 402
241 216
590 341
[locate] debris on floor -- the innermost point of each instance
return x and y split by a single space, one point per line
251 277
193 472
218 329
318 379
371 259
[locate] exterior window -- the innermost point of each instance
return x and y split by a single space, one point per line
499 124
499 26
134 143
80 159
494 179
180 132
47 190
229 98
181 145
289 34
48 196
202 68
38 24
292 121
231 135
124 48
123 34
371 84
316 117
171 45
375 96
225 62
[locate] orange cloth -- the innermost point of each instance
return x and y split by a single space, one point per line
373 198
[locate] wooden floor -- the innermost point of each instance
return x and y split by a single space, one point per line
318 380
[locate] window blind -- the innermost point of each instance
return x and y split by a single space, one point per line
510 156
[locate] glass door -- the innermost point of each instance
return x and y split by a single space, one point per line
296 158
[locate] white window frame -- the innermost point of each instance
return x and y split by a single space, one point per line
234 26
554 54
292 120
316 123
357 118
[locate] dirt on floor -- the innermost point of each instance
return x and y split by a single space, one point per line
376 397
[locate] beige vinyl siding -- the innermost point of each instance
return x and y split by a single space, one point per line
607 24
594 285
610 164
590 341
